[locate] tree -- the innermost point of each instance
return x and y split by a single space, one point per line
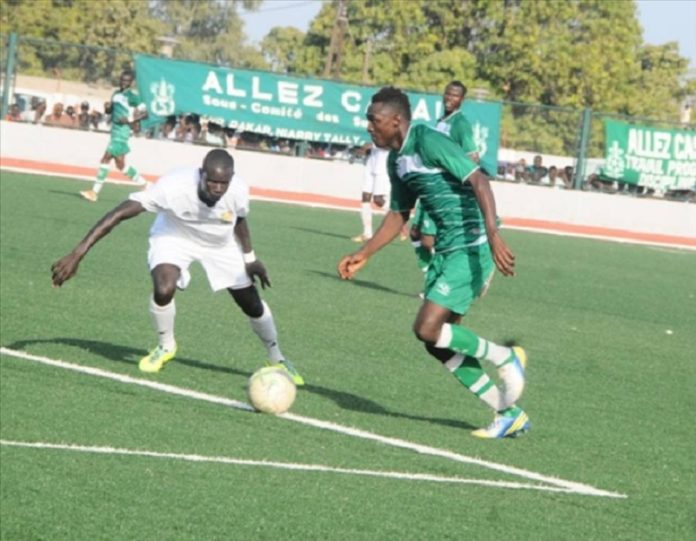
114 27
281 47
208 31
571 54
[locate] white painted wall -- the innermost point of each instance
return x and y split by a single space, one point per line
340 179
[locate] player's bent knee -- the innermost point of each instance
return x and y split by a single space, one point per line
426 333
249 300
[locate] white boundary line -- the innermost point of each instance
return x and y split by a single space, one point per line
570 486
280 465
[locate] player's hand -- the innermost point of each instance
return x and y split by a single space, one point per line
256 269
503 258
351 264
64 269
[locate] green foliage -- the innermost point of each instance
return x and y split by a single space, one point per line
572 54
207 31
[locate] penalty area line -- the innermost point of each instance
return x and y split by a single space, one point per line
292 466
569 486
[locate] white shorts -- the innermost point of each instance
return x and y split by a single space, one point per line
376 175
224 265
376 184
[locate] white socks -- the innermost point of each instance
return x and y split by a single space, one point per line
265 329
366 217
163 321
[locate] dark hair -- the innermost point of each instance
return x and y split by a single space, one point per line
128 72
218 159
459 85
394 97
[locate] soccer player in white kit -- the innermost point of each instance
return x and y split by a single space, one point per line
375 188
201 216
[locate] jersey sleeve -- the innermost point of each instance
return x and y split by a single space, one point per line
154 197
402 198
463 134
241 197
438 150
134 100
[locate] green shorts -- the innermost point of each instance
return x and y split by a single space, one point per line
455 278
118 148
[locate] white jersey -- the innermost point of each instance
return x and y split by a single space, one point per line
376 175
180 212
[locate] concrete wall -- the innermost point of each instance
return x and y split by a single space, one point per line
343 180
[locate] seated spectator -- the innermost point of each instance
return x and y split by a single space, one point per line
167 131
521 173
58 117
213 135
536 171
14 114
567 176
36 111
232 137
72 115
84 119
285 147
96 119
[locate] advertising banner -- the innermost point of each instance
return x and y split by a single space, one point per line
290 107
651 157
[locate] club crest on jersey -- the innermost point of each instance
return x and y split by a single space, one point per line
227 216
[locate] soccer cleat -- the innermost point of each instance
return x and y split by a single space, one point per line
154 361
89 195
512 375
510 424
360 238
184 280
291 370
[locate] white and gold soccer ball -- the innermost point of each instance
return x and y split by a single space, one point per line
271 390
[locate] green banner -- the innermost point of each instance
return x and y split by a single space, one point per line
289 107
651 157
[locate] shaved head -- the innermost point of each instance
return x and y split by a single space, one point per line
218 161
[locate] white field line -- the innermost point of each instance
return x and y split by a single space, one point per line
570 486
280 465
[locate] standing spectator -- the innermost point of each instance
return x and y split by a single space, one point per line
84 119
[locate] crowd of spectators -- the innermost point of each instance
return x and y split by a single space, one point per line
193 129
536 173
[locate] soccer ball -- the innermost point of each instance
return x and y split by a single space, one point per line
271 390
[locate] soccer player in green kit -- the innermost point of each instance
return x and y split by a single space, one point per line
454 124
426 164
122 101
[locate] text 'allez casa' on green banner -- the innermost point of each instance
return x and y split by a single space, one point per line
290 107
656 158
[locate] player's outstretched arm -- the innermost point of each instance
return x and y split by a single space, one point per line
391 226
66 267
254 268
502 255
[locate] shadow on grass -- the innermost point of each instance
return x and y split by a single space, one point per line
363 283
131 356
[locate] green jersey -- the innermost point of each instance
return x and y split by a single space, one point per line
122 103
458 128
432 166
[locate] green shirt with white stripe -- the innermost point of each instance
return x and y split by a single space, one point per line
459 129
122 102
432 166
